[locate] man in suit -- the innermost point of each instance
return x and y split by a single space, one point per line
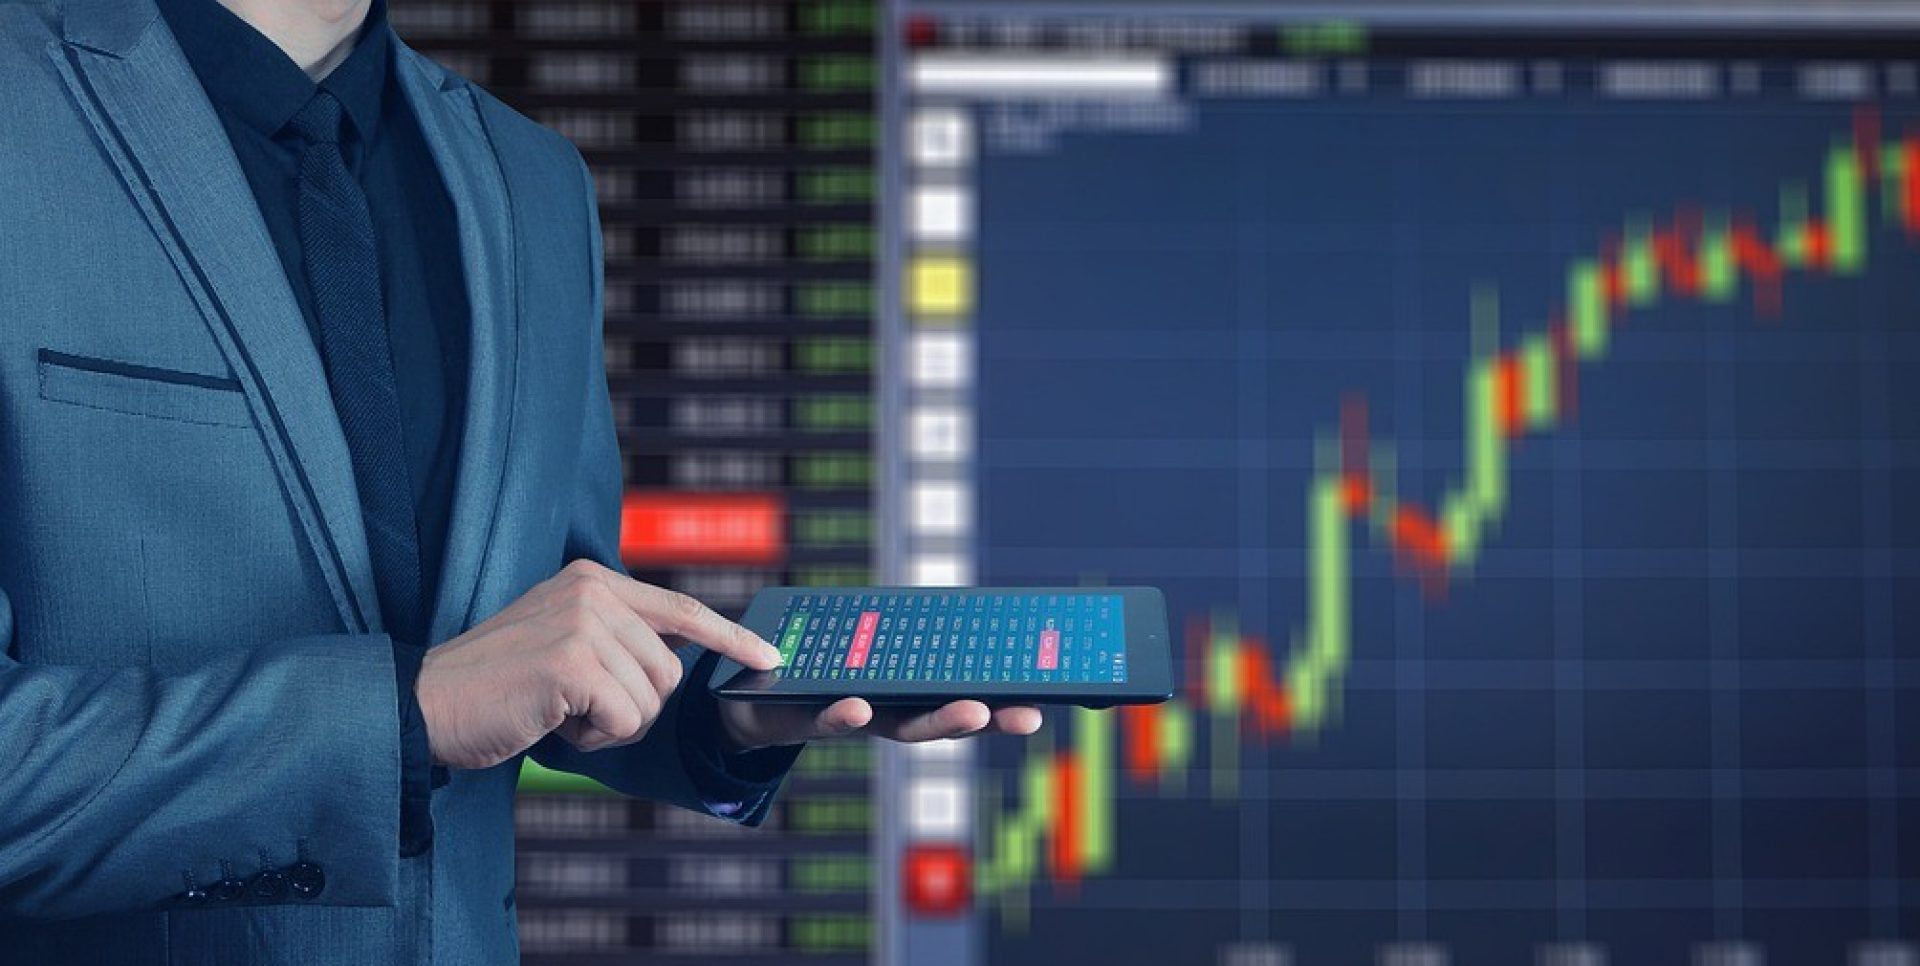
309 498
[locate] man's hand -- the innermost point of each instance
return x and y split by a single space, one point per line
579 654
750 725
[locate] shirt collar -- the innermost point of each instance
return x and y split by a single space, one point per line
360 82
244 73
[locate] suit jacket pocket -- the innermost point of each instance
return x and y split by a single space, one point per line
138 390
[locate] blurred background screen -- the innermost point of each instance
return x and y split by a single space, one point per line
1515 401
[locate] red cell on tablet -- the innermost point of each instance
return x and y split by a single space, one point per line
863 638
1049 650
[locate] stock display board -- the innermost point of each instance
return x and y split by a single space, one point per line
1518 416
731 145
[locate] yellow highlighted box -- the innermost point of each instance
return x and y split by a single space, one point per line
939 286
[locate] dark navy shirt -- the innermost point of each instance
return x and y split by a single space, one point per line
256 89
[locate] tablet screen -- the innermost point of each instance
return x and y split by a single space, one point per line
997 637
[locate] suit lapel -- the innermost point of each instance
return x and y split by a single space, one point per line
462 150
130 78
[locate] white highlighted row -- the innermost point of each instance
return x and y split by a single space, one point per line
937 809
940 508
940 213
940 360
939 434
992 75
941 138
939 570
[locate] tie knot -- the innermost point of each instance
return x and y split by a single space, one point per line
318 122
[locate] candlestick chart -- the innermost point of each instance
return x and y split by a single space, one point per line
1506 467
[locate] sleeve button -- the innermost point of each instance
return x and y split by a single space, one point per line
306 880
269 884
228 889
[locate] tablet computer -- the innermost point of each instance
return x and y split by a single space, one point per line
1090 646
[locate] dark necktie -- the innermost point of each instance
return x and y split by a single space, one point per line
343 276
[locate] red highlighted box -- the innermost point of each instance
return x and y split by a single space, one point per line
1049 650
719 528
937 880
921 32
862 638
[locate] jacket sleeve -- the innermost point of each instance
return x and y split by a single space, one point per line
124 788
679 761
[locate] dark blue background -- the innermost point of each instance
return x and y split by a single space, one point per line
1166 323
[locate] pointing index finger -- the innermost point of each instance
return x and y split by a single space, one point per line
671 612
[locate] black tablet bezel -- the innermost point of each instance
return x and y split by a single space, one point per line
1149 658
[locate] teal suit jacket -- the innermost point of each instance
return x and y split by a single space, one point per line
193 680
